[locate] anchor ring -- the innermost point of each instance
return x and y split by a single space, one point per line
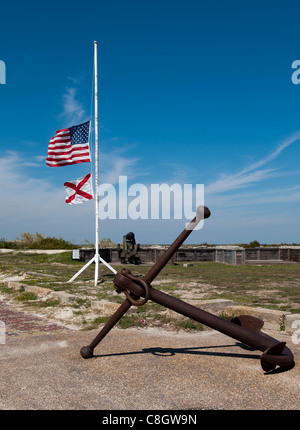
127 273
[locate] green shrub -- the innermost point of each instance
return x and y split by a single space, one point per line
36 241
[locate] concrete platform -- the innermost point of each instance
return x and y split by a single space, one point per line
142 369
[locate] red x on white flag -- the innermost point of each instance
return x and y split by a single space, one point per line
80 190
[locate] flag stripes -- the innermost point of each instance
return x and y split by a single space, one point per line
69 146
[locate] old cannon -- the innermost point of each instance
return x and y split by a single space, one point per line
245 328
130 253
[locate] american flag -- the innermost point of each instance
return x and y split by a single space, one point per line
69 146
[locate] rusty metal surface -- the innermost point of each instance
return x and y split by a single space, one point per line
244 328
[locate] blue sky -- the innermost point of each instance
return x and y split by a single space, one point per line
190 92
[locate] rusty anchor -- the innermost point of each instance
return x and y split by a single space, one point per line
244 328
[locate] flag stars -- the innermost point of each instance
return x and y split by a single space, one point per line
79 133
69 146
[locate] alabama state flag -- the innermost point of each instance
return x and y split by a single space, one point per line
80 190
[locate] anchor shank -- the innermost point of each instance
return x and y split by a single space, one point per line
168 254
228 328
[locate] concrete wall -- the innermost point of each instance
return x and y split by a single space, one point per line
226 255
262 254
290 254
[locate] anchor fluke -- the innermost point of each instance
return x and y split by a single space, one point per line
277 355
248 321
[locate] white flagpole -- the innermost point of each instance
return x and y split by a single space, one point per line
97 267
96 257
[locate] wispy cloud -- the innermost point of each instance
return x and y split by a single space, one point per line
117 162
115 166
237 181
251 174
274 154
245 208
73 111
256 198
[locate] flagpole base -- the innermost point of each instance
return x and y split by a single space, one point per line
81 270
98 280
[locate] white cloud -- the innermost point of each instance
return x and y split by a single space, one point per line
73 111
236 181
274 154
114 163
252 174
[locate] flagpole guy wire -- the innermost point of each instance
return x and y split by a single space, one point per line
96 257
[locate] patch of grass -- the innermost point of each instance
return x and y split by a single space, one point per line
26 296
128 321
225 316
49 303
81 302
292 310
91 325
235 276
282 326
289 291
166 287
112 298
6 290
161 318
190 325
